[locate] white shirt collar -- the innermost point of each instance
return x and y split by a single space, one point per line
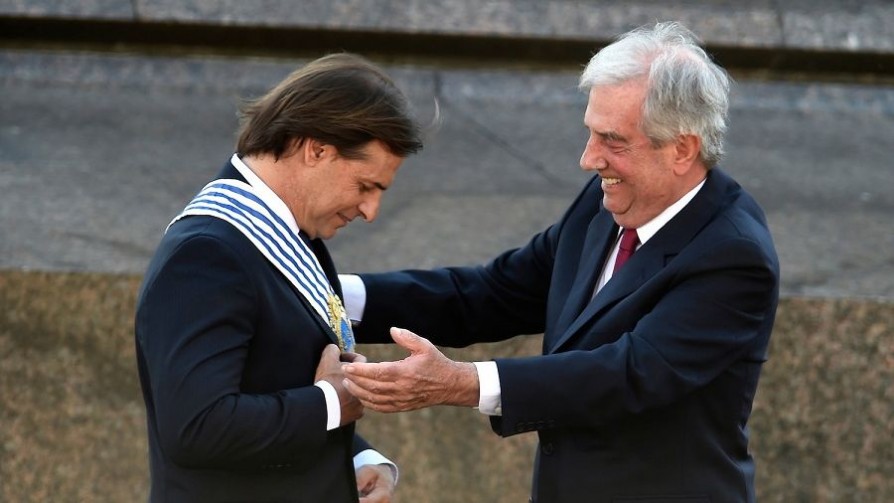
265 193
650 228
645 232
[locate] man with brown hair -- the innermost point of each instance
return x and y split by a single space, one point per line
240 326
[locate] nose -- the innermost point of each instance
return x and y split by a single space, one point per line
369 208
592 159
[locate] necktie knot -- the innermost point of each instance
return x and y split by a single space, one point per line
629 240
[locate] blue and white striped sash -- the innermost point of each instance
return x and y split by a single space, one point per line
235 202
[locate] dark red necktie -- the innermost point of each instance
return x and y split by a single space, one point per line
629 240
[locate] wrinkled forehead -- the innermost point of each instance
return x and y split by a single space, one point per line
615 104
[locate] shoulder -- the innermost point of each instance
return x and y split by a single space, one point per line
736 232
739 237
206 233
203 246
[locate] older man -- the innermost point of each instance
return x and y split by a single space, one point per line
656 293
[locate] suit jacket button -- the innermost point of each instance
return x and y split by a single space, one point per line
548 448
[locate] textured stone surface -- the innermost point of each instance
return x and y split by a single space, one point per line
72 422
840 25
865 26
835 25
824 415
70 427
73 9
99 152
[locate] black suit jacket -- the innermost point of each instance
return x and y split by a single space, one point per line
645 390
227 350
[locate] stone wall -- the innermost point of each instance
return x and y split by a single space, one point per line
72 424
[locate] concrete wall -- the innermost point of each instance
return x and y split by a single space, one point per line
73 421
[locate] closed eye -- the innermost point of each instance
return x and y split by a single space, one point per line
369 187
615 143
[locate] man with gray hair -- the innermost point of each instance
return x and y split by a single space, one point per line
656 293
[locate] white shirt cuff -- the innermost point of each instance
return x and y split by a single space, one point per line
371 457
354 291
489 398
333 408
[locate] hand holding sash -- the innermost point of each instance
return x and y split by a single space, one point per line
330 369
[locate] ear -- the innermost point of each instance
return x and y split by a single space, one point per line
686 151
314 151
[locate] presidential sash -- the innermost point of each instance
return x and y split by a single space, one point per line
235 202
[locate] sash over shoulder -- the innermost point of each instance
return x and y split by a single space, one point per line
235 202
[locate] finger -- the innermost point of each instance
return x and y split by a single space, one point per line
363 383
378 493
331 352
376 496
359 392
372 401
383 408
366 479
348 357
364 394
370 371
409 341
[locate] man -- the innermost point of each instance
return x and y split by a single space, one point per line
239 313
649 367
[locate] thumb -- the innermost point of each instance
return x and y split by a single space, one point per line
331 352
408 340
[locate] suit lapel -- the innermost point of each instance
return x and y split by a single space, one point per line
600 236
654 255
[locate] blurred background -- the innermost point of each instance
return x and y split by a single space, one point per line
113 113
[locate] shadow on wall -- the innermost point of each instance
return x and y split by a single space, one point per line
72 419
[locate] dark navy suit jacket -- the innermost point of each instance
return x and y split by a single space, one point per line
227 351
642 393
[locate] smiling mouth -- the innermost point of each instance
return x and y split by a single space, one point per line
344 219
610 181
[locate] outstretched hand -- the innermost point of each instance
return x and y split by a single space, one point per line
424 378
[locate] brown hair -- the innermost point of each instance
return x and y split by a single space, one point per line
341 99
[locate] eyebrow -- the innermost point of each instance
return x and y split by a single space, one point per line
608 135
612 136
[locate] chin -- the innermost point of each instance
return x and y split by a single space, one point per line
328 233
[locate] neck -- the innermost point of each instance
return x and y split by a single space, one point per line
264 167
281 176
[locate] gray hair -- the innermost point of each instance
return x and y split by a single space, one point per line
688 93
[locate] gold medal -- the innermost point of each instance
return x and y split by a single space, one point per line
338 321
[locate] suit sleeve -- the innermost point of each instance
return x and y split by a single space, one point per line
718 311
459 306
195 326
359 445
